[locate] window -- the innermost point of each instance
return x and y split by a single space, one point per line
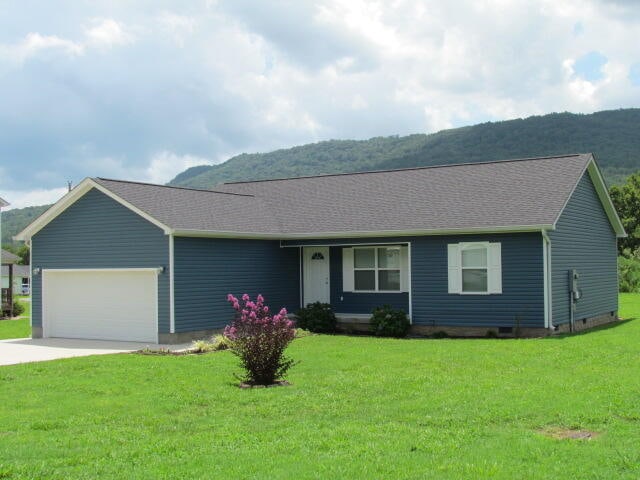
475 268
376 269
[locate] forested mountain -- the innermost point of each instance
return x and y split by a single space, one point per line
14 221
614 136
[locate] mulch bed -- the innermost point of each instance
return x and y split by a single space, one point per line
281 383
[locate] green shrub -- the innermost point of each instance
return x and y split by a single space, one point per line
18 308
629 274
388 322
218 342
317 317
301 333
202 346
221 342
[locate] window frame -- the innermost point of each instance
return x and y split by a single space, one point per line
473 246
376 268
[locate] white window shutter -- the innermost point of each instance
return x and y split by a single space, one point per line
404 269
495 268
455 270
347 269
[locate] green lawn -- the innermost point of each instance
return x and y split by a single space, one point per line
358 408
17 328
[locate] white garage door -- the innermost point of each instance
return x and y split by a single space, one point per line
100 304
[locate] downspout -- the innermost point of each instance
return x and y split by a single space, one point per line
548 280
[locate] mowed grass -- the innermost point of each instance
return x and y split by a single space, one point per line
17 328
358 408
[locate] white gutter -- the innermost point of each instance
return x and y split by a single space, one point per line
548 280
360 234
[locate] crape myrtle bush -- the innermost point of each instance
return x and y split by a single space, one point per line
317 317
388 322
259 339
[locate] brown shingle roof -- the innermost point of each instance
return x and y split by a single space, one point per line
492 195
501 194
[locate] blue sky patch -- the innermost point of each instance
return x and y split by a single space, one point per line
634 74
589 66
578 28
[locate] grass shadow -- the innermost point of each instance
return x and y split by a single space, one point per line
599 328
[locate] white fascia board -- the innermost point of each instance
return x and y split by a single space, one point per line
360 234
605 199
73 196
603 195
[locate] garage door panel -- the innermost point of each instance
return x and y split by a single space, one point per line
109 305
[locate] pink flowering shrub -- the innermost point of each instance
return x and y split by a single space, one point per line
259 339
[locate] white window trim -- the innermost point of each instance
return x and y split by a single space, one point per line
377 269
469 246
494 267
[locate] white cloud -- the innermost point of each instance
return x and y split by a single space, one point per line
28 198
179 27
33 43
108 33
164 166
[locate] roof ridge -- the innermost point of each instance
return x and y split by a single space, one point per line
507 160
173 186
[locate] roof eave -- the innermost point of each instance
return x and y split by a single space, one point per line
361 234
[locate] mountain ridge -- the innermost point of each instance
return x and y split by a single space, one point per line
613 135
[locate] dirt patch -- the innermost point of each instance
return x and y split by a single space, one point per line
281 383
561 433
159 352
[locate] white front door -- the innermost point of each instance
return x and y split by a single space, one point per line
316 274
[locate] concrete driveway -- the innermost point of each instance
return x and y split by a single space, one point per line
23 350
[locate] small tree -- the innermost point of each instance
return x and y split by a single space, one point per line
260 339
626 199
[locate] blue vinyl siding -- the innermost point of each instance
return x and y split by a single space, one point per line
522 300
98 232
207 269
584 240
352 302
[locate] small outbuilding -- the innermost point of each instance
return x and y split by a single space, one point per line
522 247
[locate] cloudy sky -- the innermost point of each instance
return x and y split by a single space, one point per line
142 90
